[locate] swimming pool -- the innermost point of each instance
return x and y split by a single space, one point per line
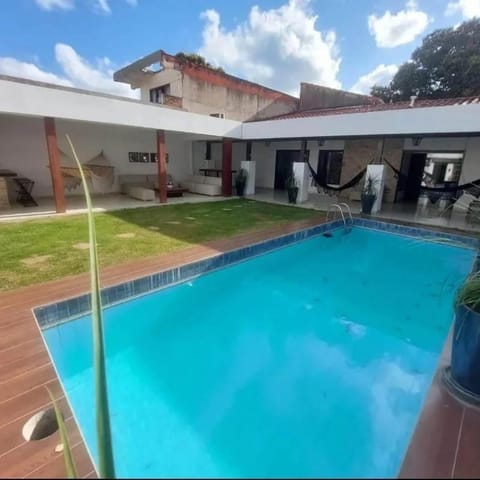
311 360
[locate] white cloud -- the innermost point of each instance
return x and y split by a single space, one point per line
99 6
13 67
467 8
276 47
391 30
51 4
76 72
380 75
102 6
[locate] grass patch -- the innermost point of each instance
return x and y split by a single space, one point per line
125 235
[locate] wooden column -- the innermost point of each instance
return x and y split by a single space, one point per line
54 162
162 166
227 168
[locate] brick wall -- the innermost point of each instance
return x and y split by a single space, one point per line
4 203
393 152
172 101
356 156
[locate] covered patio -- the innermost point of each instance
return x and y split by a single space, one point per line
128 158
421 213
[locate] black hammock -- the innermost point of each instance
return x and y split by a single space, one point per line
321 182
475 184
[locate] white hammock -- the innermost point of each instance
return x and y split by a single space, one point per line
98 170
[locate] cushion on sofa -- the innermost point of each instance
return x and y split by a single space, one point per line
213 181
140 193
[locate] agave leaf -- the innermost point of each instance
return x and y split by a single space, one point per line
104 438
67 453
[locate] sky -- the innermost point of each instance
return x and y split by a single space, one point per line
348 44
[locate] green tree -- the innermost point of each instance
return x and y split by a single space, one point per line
446 64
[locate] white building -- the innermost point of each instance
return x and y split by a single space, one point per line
338 132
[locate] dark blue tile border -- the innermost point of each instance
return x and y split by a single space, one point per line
424 233
49 315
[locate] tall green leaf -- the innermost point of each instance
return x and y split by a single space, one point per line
104 439
67 452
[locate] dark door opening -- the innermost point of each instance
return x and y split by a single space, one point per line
329 166
410 181
284 167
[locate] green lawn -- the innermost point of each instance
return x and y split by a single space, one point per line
40 250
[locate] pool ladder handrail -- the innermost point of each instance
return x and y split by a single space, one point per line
340 206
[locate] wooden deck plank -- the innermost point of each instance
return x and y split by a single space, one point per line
29 456
11 435
29 402
25 368
27 381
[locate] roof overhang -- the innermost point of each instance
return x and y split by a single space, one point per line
136 71
23 97
447 120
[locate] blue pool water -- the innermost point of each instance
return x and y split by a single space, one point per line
312 360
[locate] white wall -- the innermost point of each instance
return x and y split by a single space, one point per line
238 154
24 97
457 119
23 149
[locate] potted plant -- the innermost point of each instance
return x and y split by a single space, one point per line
463 375
292 189
369 195
241 182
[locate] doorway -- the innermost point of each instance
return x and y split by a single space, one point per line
284 167
410 181
427 169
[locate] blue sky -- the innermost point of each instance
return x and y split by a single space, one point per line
340 43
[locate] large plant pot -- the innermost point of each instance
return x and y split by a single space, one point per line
367 203
463 376
292 194
240 187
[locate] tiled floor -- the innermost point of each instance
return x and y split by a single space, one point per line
422 213
107 202
445 442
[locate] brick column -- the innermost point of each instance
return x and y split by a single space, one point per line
54 162
162 166
227 168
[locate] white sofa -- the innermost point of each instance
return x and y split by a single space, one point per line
140 193
204 185
137 180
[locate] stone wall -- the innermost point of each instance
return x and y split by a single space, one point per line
393 152
4 203
356 156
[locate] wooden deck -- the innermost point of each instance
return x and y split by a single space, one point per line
444 445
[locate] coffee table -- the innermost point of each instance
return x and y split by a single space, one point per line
175 191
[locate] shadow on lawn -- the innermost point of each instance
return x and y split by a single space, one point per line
196 223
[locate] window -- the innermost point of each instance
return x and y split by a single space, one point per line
157 94
330 165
